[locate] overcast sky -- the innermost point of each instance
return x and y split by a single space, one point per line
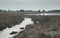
29 4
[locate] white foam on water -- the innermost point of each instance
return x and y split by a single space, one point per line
6 32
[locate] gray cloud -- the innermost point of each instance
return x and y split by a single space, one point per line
30 4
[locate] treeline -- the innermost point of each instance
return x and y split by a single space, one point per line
39 11
54 11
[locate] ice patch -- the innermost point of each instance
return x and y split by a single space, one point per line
6 32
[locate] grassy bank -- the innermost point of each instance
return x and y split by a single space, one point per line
9 20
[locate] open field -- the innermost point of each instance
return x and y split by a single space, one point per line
43 27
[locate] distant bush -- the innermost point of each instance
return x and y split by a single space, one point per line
39 11
21 10
0 10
